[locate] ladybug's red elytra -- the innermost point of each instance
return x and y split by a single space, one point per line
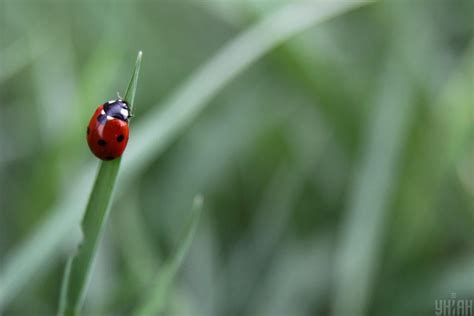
107 132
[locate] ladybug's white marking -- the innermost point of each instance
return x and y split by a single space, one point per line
124 112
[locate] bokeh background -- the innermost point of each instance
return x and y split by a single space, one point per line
337 167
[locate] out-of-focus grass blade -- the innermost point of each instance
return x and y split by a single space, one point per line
156 300
371 193
168 120
78 271
165 123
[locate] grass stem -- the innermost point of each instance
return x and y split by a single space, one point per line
78 270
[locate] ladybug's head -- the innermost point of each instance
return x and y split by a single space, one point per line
118 109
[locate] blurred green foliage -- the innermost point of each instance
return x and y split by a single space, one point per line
337 170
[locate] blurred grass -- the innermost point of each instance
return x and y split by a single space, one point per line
371 194
180 109
279 151
155 301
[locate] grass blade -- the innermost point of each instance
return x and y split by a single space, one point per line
182 107
77 274
132 84
371 193
155 302
92 228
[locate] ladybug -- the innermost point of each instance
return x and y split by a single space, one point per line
107 132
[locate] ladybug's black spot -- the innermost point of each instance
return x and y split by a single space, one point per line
109 158
102 142
88 131
102 118
120 138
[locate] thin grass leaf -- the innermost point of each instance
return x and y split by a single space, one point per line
156 300
182 107
371 193
77 274
165 123
132 84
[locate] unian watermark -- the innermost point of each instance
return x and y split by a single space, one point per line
454 306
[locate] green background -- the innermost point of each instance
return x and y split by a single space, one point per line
337 170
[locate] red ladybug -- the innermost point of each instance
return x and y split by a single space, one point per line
107 133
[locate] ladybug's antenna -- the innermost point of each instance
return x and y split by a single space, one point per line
118 96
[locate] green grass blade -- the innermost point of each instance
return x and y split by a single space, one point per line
155 301
371 193
77 276
92 227
166 121
129 95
